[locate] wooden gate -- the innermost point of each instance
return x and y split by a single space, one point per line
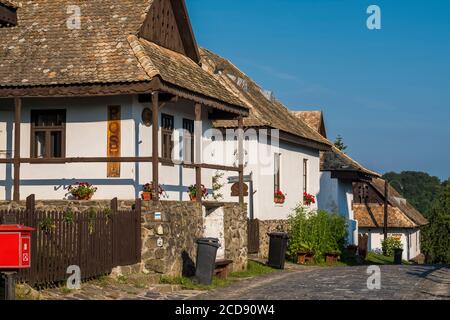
253 235
363 245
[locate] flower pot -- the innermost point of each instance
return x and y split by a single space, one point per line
193 198
398 254
331 258
146 196
305 257
279 201
85 198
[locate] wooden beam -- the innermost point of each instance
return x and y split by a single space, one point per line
241 158
198 150
17 122
155 144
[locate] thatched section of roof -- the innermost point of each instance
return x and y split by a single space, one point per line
10 4
398 201
372 216
265 110
336 160
314 119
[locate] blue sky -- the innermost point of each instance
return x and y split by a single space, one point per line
387 92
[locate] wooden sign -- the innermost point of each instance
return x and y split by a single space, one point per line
235 190
114 118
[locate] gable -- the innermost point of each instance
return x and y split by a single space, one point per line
167 24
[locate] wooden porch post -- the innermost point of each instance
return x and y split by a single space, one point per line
155 144
17 121
386 204
198 150
241 158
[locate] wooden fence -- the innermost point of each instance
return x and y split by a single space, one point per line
95 240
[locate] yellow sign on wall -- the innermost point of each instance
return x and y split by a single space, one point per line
114 118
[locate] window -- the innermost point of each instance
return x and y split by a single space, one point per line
48 133
305 175
277 167
188 140
167 127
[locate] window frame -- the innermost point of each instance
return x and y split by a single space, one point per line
277 173
305 176
167 131
188 135
48 130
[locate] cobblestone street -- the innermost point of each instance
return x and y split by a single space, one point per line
397 283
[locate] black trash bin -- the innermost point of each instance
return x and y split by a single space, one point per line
206 260
277 249
398 254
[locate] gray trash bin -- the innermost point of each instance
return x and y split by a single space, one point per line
277 249
206 260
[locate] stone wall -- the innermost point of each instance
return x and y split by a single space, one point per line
168 243
235 226
265 227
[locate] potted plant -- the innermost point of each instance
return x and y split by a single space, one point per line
148 190
308 199
279 197
332 256
82 191
192 190
306 255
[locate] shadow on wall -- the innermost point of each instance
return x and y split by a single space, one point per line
188 265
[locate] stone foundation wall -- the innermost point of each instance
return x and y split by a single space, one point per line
235 227
168 244
265 227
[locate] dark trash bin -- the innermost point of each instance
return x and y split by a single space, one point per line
206 260
398 254
277 249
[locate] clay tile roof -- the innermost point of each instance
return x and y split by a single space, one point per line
10 4
336 160
42 50
398 201
265 110
312 118
372 216
180 70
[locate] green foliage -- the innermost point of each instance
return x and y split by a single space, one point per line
419 188
339 143
436 236
217 185
253 269
316 232
390 244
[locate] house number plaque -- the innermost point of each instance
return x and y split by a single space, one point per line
114 140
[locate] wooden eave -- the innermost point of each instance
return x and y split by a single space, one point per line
8 16
351 175
110 89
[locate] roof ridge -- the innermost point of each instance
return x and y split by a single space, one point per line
143 59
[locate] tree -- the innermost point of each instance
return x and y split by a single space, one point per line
339 143
436 236
419 188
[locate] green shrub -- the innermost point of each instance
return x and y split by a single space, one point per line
390 244
317 232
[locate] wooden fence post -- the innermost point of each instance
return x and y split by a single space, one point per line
137 217
31 221
114 220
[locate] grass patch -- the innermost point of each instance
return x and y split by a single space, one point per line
379 259
188 284
254 269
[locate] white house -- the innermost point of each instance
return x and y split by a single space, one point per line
357 193
287 161
103 98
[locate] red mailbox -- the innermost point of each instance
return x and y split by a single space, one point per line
15 242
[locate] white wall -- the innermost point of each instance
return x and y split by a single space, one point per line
336 196
410 239
86 136
260 162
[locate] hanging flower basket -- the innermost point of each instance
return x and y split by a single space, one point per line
308 199
279 197
82 191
